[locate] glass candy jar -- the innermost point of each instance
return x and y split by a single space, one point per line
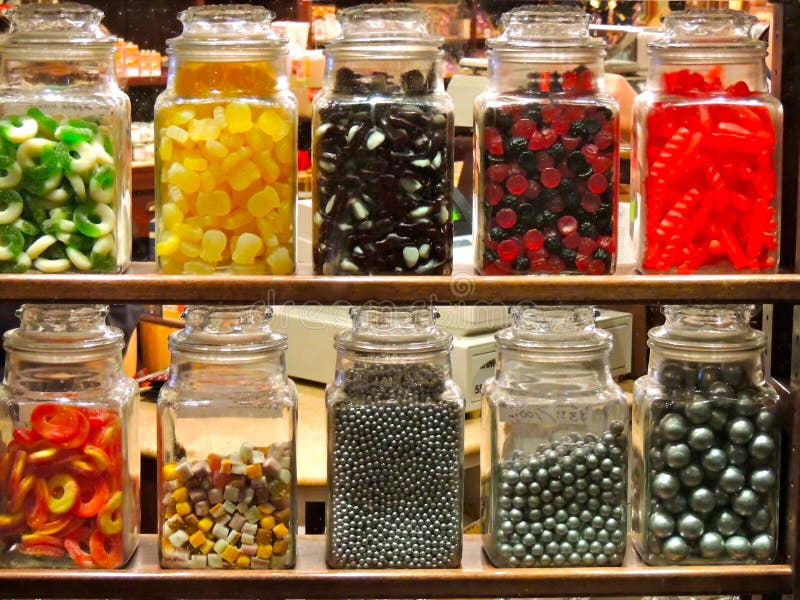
395 444
65 158
382 148
226 147
226 444
707 150
554 455
546 149
69 454
706 442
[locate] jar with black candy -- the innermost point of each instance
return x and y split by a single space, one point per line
395 444
227 418
546 149
706 442
706 161
382 148
554 454
65 157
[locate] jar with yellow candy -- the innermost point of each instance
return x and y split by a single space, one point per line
226 147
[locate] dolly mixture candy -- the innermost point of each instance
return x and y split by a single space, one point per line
232 512
396 471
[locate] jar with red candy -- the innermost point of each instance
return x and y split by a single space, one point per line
69 454
546 149
707 150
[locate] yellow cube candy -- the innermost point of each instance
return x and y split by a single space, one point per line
230 554
280 530
197 539
264 551
205 524
243 561
183 508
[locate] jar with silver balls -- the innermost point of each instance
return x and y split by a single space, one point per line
226 444
554 454
706 442
395 444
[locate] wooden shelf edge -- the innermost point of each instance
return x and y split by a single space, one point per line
476 579
142 284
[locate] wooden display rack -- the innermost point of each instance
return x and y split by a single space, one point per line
475 579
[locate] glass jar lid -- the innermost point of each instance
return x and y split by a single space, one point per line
384 29
227 330
704 31
221 32
59 328
554 330
41 31
393 330
556 31
721 328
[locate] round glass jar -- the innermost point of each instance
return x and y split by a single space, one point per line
554 454
69 454
706 442
546 149
382 148
65 157
226 147
395 444
227 418
707 150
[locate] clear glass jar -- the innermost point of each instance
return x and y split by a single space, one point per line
395 444
226 147
546 149
65 155
69 453
382 148
706 442
227 418
554 454
706 162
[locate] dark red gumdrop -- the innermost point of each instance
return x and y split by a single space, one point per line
494 193
590 151
537 141
497 173
571 240
554 264
567 225
606 242
590 202
555 204
515 169
549 112
574 113
597 183
495 147
561 126
569 142
549 138
506 218
543 160
533 190
523 128
601 164
603 139
586 246
533 239
596 266
550 177
517 184
507 250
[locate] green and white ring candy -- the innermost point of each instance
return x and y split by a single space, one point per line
82 158
79 259
94 220
30 152
40 245
12 242
52 265
78 186
18 129
11 206
10 176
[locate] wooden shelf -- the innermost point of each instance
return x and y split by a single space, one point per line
142 284
475 579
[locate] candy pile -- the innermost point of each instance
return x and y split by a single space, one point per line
548 181
713 468
61 487
383 179
710 178
58 194
564 505
227 182
396 470
233 512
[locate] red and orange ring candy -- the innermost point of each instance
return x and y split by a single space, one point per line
61 486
